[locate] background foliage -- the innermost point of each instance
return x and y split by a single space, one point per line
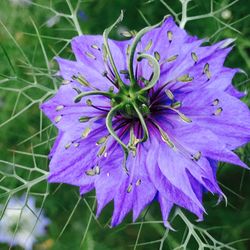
28 44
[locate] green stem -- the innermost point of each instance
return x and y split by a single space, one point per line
109 54
137 39
73 16
83 94
109 118
144 125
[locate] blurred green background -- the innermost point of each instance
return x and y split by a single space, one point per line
30 36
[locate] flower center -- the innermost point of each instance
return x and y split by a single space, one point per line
128 98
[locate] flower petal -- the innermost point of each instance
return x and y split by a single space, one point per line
65 113
229 120
135 191
173 194
166 207
197 139
88 50
74 157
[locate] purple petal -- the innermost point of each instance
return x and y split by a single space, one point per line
166 207
197 139
232 125
172 193
135 192
69 69
65 113
88 50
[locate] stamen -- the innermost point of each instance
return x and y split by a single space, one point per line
197 156
97 170
149 45
182 116
215 102
102 150
94 46
157 56
129 189
218 111
128 34
59 107
76 144
84 119
93 171
81 80
170 36
102 140
166 139
158 92
105 74
90 172
138 183
172 58
89 102
169 94
86 132
206 71
194 57
65 82
90 55
176 105
58 118
164 136
185 78
68 145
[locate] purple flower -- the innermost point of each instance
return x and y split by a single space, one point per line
146 118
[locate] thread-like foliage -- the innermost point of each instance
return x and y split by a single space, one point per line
28 77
